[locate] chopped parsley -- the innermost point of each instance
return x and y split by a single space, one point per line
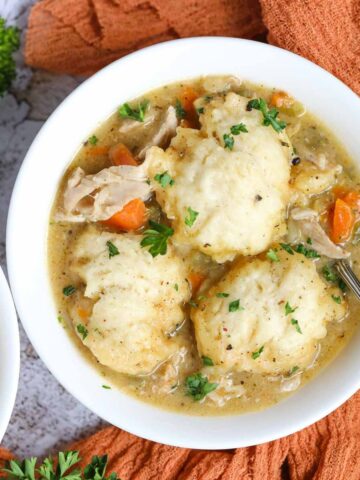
138 113
192 215
295 322
342 285
176 286
208 98
309 241
207 362
180 111
156 238
107 387
293 370
234 306
69 290
200 110
240 127
331 275
257 354
272 255
287 248
228 141
82 330
93 140
164 179
198 386
270 115
222 295
337 299
308 252
289 309
113 250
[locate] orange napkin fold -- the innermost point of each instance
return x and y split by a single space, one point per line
81 36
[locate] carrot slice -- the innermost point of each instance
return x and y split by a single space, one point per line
281 99
84 314
196 279
131 217
353 200
187 98
98 150
120 155
342 222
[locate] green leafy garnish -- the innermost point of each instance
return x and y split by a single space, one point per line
26 469
207 362
192 215
270 116
107 387
293 370
337 299
180 111
234 306
228 141
69 290
308 252
156 238
138 113
257 354
198 386
331 275
164 179
200 110
9 43
295 322
289 309
82 330
240 127
272 255
222 295
113 250
93 140
176 286
309 241
287 248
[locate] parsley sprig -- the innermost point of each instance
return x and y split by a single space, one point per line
164 179
137 113
156 238
270 115
27 470
235 130
198 386
191 217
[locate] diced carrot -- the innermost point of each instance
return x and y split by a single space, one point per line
131 217
281 99
120 155
187 98
353 200
342 222
98 150
340 191
196 279
83 313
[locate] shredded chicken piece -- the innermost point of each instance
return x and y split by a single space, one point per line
226 389
128 124
307 220
90 198
165 132
166 378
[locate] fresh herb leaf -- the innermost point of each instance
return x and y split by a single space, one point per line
228 141
107 387
138 113
293 370
180 111
289 309
337 299
198 386
207 362
9 43
200 110
82 330
93 140
295 322
222 295
69 290
329 273
235 306
272 255
309 241
156 238
342 285
257 354
240 127
287 248
164 179
113 250
308 252
270 115
192 215
176 286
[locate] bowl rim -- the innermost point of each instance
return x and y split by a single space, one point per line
203 441
10 354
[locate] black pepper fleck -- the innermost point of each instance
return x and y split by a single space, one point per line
229 347
296 160
258 198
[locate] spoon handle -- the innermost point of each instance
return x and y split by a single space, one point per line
346 273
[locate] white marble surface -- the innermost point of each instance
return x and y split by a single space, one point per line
45 417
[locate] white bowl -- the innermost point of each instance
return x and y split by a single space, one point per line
45 163
9 354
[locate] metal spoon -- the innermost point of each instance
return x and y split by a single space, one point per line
346 273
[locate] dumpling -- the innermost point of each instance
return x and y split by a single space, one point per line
266 317
137 300
224 201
